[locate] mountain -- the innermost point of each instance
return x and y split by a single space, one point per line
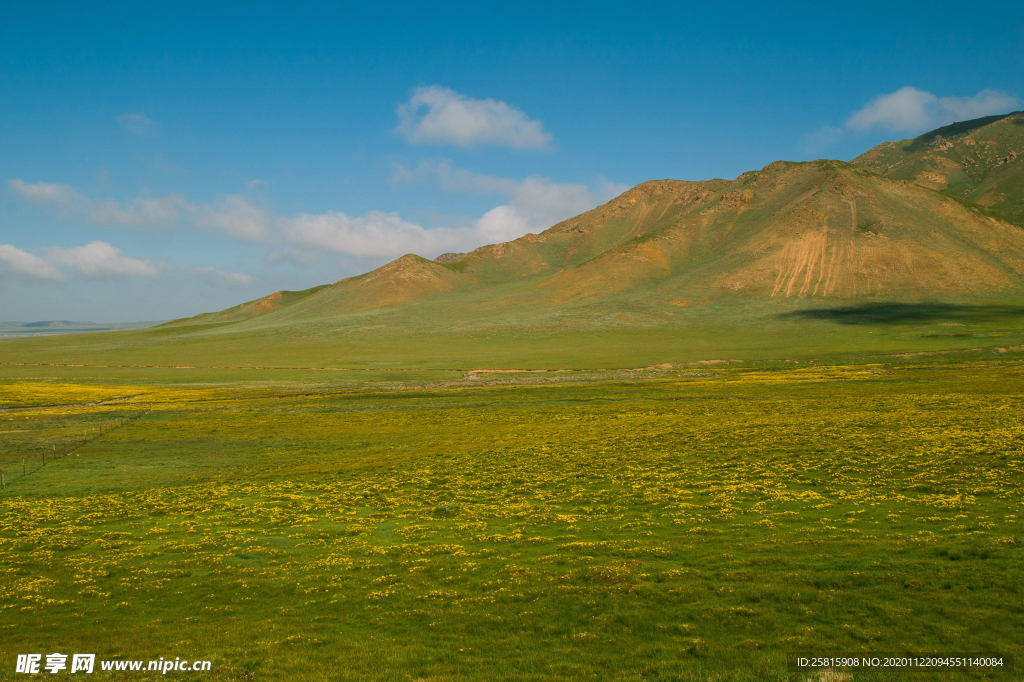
977 160
806 259
811 230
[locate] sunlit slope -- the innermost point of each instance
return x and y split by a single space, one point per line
810 259
250 309
823 229
496 271
980 160
406 279
641 211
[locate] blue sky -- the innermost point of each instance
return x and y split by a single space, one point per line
158 160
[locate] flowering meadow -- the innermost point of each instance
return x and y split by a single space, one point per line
705 525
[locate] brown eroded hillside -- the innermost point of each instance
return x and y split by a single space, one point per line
822 229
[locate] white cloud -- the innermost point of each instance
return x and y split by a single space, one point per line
96 259
451 179
100 259
234 217
374 235
441 115
23 265
141 211
531 205
985 103
911 110
144 211
551 202
534 205
906 109
137 124
222 278
46 193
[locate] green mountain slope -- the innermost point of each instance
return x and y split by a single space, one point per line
980 160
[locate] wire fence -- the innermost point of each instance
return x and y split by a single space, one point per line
56 447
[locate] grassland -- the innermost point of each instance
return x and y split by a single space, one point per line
436 340
688 435
682 524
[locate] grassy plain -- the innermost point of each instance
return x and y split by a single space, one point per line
682 524
435 340
698 470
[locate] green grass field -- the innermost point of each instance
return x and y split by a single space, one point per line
692 434
429 341
680 524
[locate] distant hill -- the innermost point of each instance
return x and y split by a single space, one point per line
821 229
52 327
977 160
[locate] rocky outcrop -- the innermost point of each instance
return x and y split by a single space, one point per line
449 257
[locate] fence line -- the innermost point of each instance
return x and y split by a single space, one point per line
72 443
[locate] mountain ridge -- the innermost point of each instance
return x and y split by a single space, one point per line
974 160
814 229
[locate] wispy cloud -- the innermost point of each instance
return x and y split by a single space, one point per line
909 110
23 265
137 124
912 110
101 260
61 196
222 278
95 260
450 178
822 139
233 216
373 235
143 211
534 204
531 205
437 114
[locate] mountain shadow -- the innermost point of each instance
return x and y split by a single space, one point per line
909 313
